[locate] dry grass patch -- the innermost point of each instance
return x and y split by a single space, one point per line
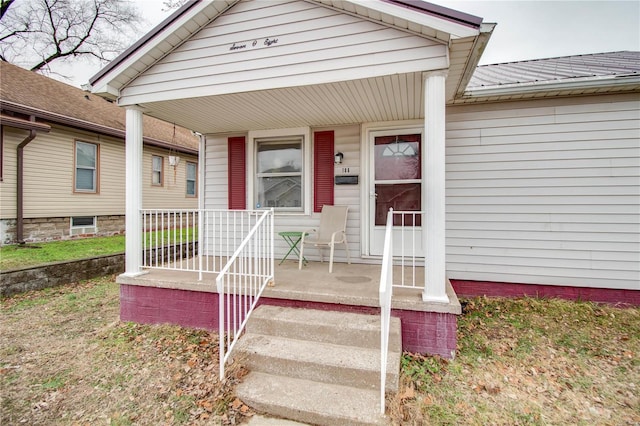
529 361
66 359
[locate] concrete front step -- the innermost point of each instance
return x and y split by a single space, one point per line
318 367
318 361
311 402
340 328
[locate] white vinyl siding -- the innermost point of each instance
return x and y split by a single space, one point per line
347 141
545 192
315 45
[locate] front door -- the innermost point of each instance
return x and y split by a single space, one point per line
396 181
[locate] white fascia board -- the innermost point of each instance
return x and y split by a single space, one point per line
535 87
455 30
106 80
106 91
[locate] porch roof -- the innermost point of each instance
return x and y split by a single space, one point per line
392 92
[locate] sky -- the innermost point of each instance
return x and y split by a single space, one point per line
525 30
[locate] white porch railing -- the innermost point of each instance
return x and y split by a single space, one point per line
242 280
193 240
386 280
409 241
169 239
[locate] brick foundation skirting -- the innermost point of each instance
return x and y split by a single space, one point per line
617 297
422 332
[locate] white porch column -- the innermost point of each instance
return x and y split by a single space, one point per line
133 197
433 188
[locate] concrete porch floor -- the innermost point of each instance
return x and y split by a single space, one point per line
354 285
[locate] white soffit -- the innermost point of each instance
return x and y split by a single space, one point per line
388 98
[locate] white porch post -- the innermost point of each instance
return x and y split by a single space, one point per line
133 197
433 188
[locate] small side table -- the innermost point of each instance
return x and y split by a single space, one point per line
292 238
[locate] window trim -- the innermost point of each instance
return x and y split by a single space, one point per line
258 135
96 189
153 170
195 180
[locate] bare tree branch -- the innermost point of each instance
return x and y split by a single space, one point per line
4 6
35 33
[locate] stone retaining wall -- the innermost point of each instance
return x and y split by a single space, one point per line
58 273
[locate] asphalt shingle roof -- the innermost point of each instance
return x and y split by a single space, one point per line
597 65
29 89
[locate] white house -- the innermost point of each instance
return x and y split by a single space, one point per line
526 174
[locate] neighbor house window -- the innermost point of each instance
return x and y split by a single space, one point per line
279 173
86 178
192 173
157 165
83 225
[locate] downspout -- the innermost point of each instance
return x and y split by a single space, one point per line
20 182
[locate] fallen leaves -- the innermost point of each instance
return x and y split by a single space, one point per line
529 361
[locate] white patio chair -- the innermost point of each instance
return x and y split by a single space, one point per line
332 231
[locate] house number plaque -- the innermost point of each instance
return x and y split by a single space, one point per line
265 42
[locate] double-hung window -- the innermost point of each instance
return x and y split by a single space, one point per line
192 173
279 173
157 168
86 173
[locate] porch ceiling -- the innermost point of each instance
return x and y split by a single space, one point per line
392 97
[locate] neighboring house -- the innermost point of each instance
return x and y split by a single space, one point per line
63 161
527 173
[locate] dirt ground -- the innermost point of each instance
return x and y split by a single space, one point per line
66 359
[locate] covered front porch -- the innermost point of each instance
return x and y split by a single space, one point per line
177 296
299 105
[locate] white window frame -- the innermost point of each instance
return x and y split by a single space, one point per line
83 228
254 137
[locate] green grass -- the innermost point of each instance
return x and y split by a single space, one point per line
33 254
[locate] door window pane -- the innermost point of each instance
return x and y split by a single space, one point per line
399 197
397 157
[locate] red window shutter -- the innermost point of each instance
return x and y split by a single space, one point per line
323 151
237 163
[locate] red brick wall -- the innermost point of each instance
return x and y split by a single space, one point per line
152 305
602 295
422 332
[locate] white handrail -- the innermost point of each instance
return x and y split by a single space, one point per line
386 282
242 281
